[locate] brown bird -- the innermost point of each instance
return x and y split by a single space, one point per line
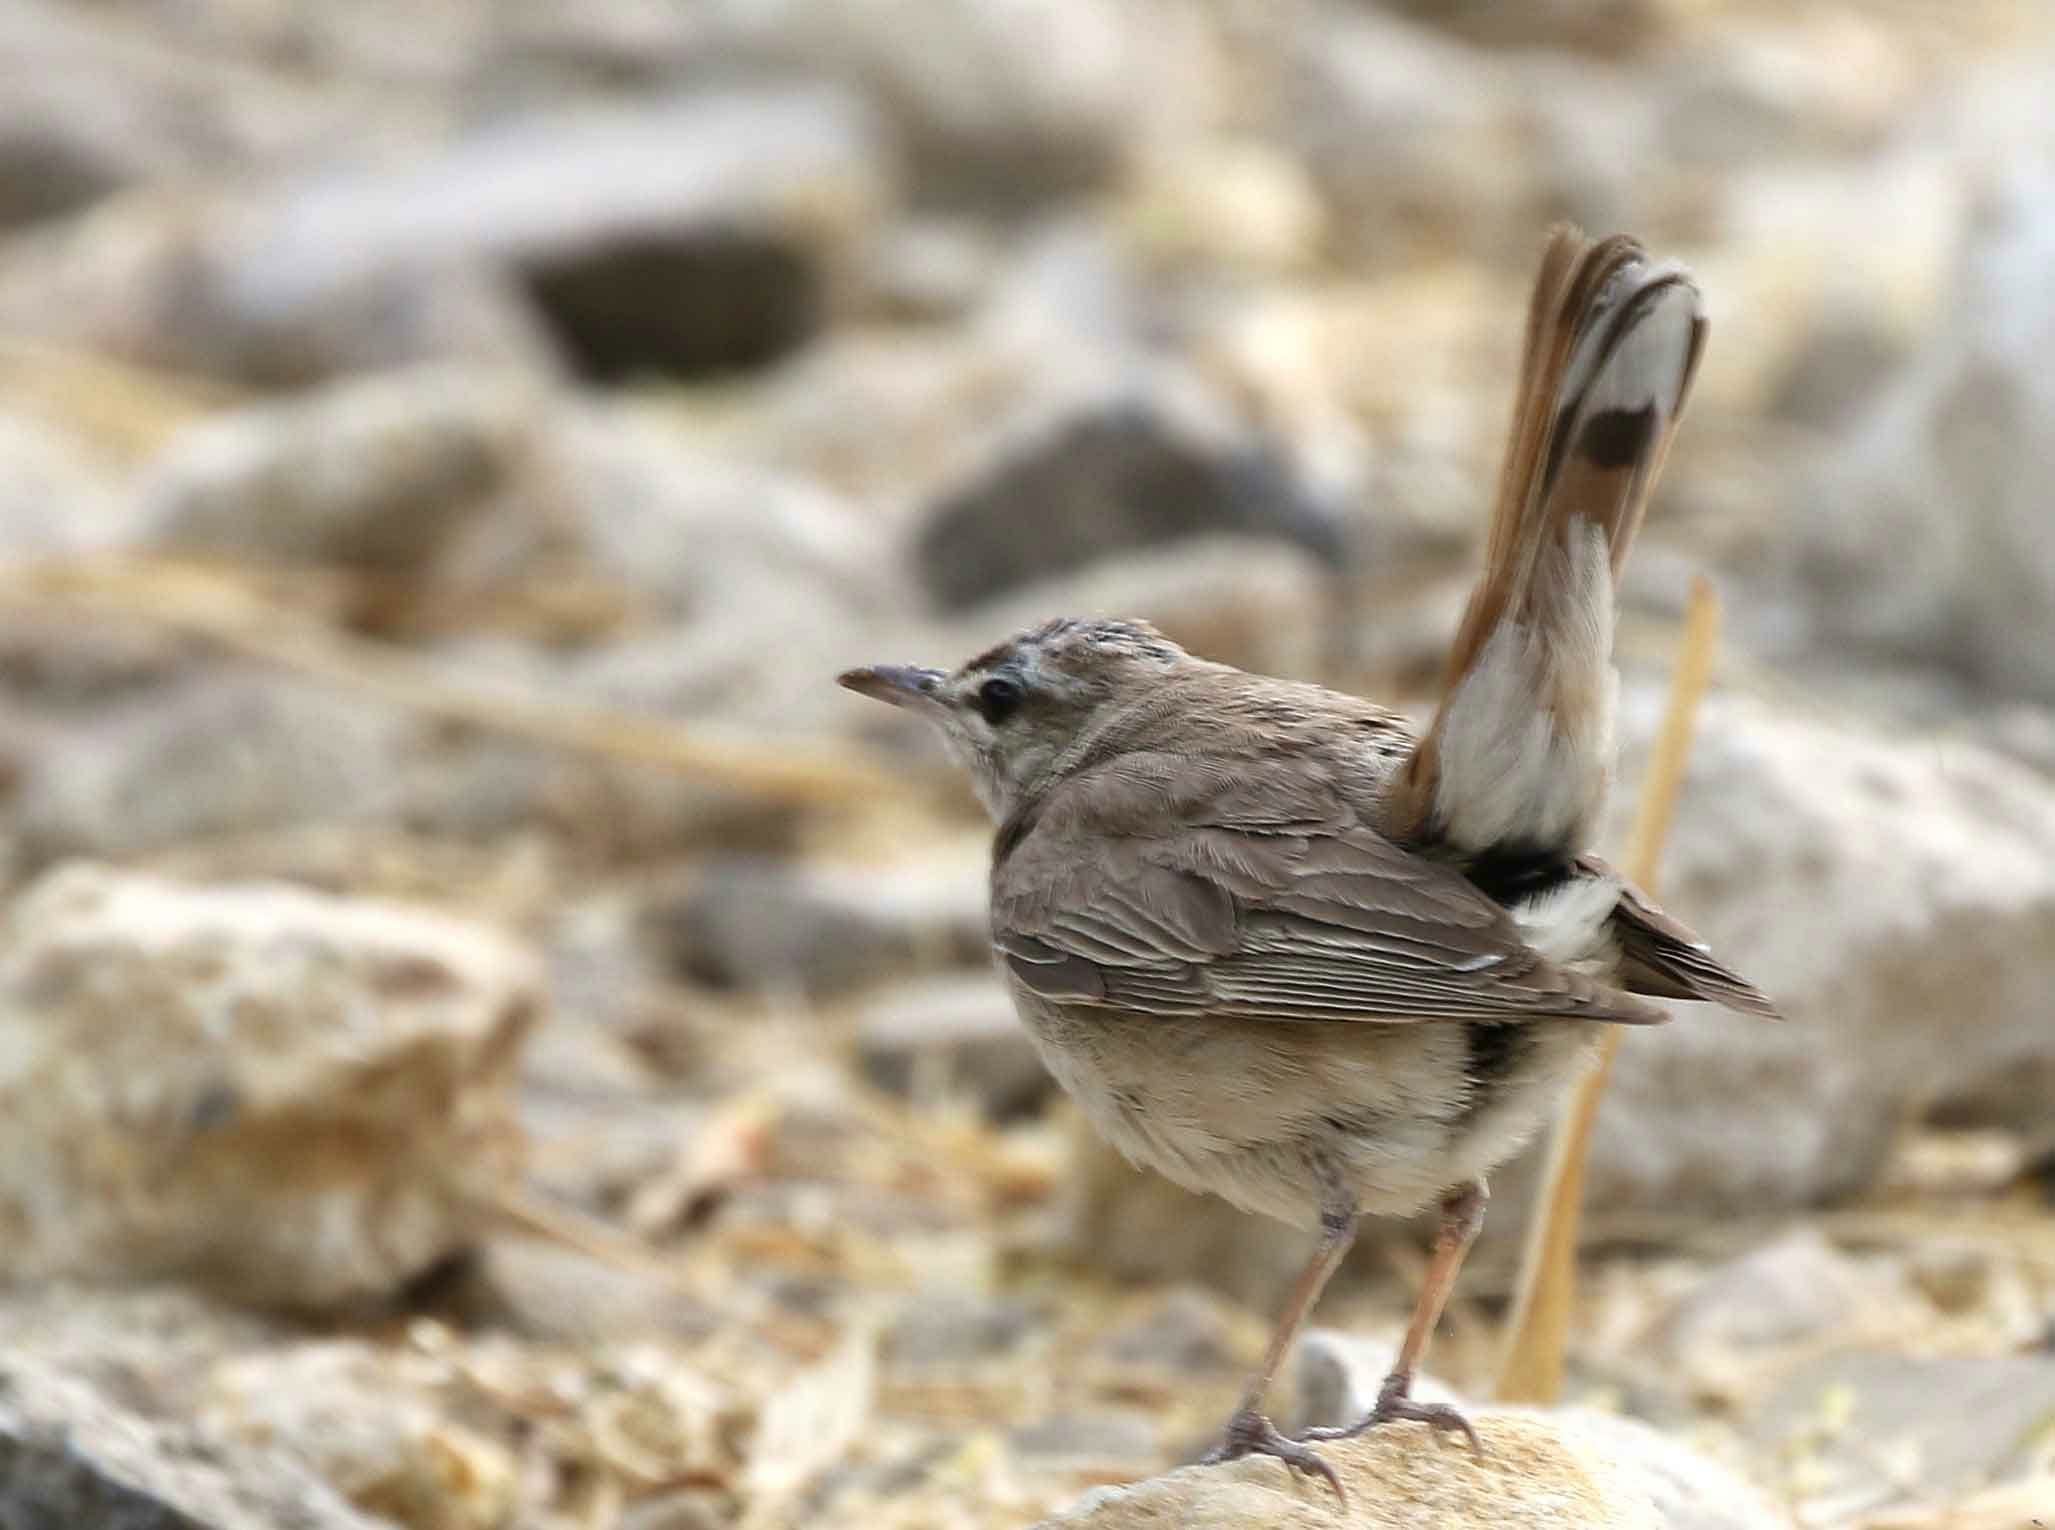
1282 948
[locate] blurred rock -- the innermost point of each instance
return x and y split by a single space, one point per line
68 1457
1786 1292
1909 957
714 538
1537 1470
189 283
1108 1441
54 497
945 1329
771 926
1131 473
385 474
691 235
207 755
995 105
956 1036
1970 425
1190 1331
289 1097
367 1419
1965 1419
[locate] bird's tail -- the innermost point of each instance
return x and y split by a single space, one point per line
1519 755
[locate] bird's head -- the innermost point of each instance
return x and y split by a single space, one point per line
1014 713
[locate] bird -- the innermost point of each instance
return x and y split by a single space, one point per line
1285 947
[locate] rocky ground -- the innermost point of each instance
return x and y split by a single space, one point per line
491 1036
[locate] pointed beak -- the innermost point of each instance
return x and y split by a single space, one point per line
903 685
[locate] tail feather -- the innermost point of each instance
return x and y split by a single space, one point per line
1519 755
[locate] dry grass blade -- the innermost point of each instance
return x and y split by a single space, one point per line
1533 1368
227 609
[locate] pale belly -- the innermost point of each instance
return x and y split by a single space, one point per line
1281 1117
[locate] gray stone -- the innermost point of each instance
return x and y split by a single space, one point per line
1126 474
203 755
690 234
1969 425
284 1096
1538 1470
71 1461
388 473
953 1036
762 925
1964 1419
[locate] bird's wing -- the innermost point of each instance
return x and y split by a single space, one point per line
1228 906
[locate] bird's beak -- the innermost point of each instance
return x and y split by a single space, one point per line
903 685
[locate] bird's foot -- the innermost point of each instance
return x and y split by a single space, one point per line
1394 1404
1249 1433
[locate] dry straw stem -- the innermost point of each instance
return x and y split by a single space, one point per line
227 607
1533 1368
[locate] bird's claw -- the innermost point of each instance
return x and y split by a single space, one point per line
1249 1433
1395 1406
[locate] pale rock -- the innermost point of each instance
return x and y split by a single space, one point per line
953 1037
55 496
1948 1423
288 1097
996 103
1537 1470
69 1457
769 926
690 233
198 755
370 1421
1967 425
1131 471
1337 1376
386 473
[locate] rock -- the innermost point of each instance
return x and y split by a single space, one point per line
995 106
288 1097
1538 1470
1909 962
767 926
692 234
945 1329
1128 474
713 538
189 284
198 755
1967 424
70 1458
953 1036
1786 1292
54 497
387 474
1965 1419
369 1419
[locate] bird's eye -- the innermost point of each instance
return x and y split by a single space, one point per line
998 699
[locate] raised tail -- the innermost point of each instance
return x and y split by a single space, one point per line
1519 756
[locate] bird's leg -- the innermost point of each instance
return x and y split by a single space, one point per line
1250 1431
1462 1213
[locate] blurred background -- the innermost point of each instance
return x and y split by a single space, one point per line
491 1036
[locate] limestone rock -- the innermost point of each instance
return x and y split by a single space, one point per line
1537 1470
954 1036
763 926
386 473
289 1097
1125 475
1968 425
68 1457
